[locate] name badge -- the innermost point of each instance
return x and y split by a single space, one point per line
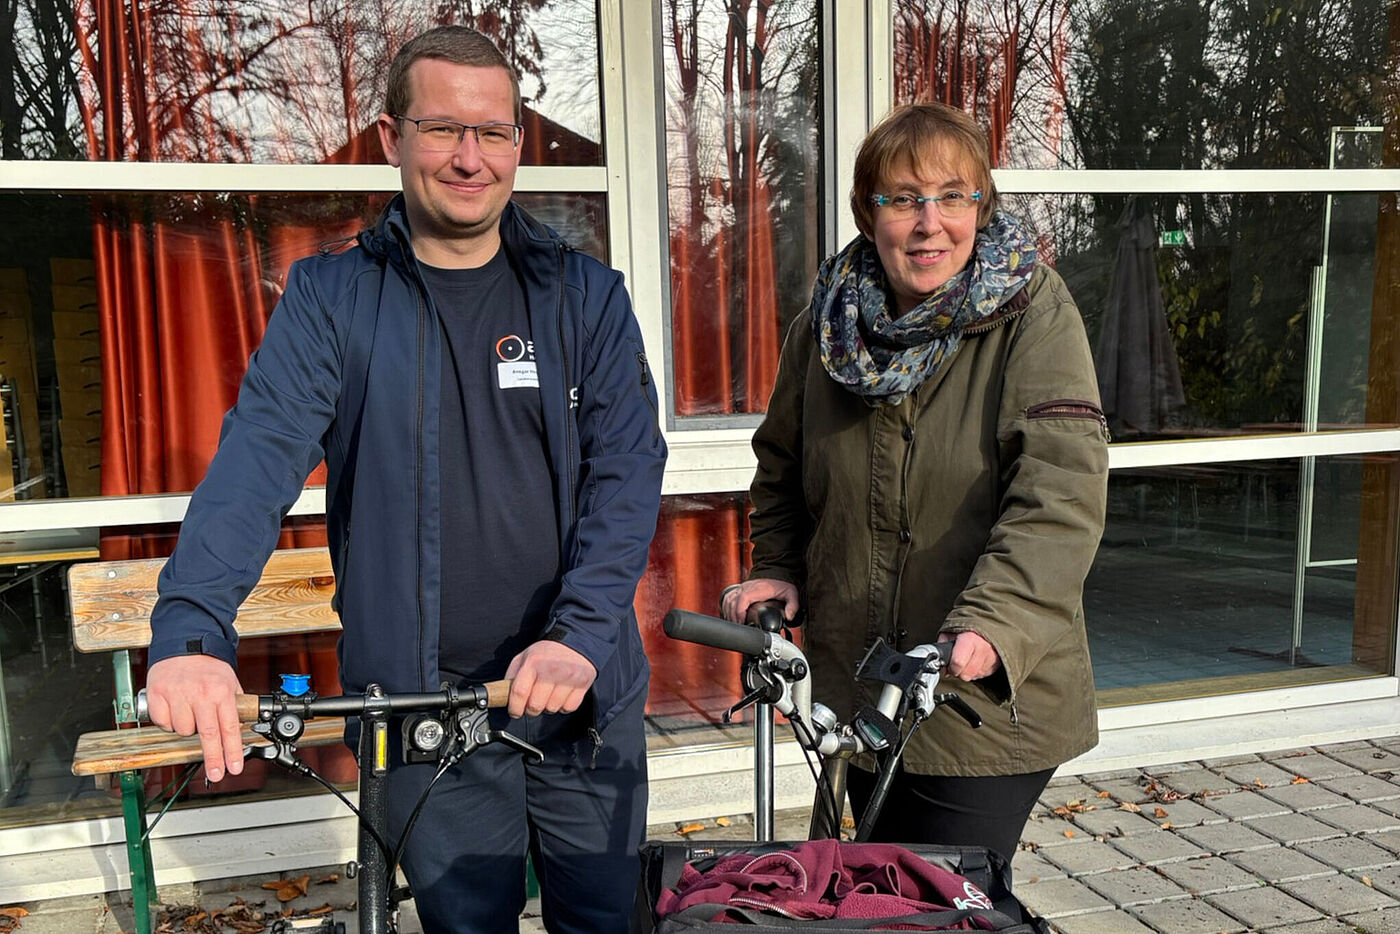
518 375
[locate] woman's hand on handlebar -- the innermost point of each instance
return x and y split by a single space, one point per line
734 603
190 694
973 657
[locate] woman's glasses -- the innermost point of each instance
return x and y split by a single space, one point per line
950 204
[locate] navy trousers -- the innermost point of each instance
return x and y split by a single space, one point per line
581 815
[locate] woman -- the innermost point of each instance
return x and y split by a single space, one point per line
933 466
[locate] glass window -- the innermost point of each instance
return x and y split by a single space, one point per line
126 322
742 88
1151 85
1242 576
273 81
1230 313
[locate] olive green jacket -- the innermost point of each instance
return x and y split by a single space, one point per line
976 504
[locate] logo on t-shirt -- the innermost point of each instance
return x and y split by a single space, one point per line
515 367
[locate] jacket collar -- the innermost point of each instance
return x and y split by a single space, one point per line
526 239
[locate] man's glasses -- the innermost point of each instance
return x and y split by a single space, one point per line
950 204
493 139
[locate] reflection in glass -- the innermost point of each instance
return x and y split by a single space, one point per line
1220 295
742 175
272 81
126 322
1201 563
1150 84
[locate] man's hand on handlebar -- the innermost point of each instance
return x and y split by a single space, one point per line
973 657
548 677
190 694
736 600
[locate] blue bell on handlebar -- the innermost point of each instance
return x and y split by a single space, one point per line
296 685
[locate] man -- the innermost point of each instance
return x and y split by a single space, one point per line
481 397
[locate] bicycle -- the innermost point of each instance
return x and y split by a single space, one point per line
444 726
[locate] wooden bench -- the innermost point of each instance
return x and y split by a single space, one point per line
111 603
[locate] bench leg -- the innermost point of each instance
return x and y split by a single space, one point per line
138 850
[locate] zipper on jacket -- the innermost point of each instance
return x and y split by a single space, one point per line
418 476
1068 408
569 416
645 378
597 739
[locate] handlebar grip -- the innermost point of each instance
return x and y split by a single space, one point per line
716 633
497 692
247 707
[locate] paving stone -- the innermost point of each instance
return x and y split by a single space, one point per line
1321 926
1199 781
1171 768
1033 867
1182 813
1114 822
1209 875
1150 849
1264 906
1244 804
1333 895
1089 856
1102 922
1313 765
1367 758
1095 778
1137 886
1048 831
1281 864
1226 838
1385 921
1289 829
1056 898
1382 878
1359 818
1258 775
1067 793
1187 916
1221 762
1347 853
1363 788
1125 789
1390 839
1305 797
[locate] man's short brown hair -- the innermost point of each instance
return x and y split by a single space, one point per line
460 45
919 134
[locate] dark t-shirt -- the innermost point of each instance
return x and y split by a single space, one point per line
500 538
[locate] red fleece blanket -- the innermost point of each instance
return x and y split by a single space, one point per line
828 879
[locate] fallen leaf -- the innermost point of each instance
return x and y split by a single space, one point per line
1366 880
333 877
288 889
1166 825
1259 783
16 912
691 827
849 823
1103 794
722 822
1159 813
323 910
1299 780
1069 833
1130 807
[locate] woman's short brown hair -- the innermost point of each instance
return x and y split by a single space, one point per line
917 133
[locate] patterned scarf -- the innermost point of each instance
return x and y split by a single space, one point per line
883 358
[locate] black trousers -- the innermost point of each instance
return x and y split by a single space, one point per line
985 810
581 814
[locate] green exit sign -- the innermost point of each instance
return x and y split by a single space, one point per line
1173 238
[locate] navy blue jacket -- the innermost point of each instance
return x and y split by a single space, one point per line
349 370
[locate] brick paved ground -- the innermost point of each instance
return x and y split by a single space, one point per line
1298 842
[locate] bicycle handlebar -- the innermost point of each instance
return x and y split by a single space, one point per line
716 633
250 705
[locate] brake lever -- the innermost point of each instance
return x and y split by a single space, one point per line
532 754
962 707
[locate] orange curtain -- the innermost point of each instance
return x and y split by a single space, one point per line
184 298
